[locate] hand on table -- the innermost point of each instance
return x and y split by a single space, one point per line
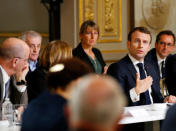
170 99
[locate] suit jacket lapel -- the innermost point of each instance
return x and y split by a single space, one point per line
156 62
147 68
131 67
85 56
150 69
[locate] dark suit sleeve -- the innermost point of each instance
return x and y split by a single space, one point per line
17 97
114 71
171 75
36 83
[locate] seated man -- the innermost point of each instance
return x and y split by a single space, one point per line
96 104
137 77
159 56
14 54
148 91
34 40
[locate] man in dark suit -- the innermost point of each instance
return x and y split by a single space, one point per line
138 78
34 40
158 56
138 91
14 54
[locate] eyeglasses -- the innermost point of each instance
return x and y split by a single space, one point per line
32 46
26 60
166 44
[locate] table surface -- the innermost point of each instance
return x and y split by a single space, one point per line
4 126
136 114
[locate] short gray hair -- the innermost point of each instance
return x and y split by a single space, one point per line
89 107
30 33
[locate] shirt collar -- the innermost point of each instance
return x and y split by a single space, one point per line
32 62
134 61
159 58
5 76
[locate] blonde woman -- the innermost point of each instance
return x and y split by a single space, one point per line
54 52
89 33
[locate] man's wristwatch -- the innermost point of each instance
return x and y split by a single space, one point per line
22 82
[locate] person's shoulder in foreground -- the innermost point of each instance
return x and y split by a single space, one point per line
45 113
169 122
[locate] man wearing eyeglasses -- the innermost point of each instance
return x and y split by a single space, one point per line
33 39
14 54
158 56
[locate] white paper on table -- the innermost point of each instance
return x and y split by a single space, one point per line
139 113
132 115
4 123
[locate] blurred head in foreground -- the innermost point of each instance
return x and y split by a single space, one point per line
96 104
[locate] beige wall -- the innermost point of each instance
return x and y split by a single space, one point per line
21 15
69 21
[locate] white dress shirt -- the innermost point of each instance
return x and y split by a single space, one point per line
5 78
133 95
160 63
32 64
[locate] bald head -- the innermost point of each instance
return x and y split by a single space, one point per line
13 47
97 100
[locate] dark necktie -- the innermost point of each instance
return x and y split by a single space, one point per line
7 88
163 69
144 97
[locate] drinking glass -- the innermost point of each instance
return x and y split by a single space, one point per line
18 110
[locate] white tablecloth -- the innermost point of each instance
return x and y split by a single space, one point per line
4 126
144 113
135 114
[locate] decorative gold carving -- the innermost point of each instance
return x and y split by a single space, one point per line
89 9
107 14
18 34
114 51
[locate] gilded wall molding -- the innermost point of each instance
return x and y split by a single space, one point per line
114 51
107 14
18 34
